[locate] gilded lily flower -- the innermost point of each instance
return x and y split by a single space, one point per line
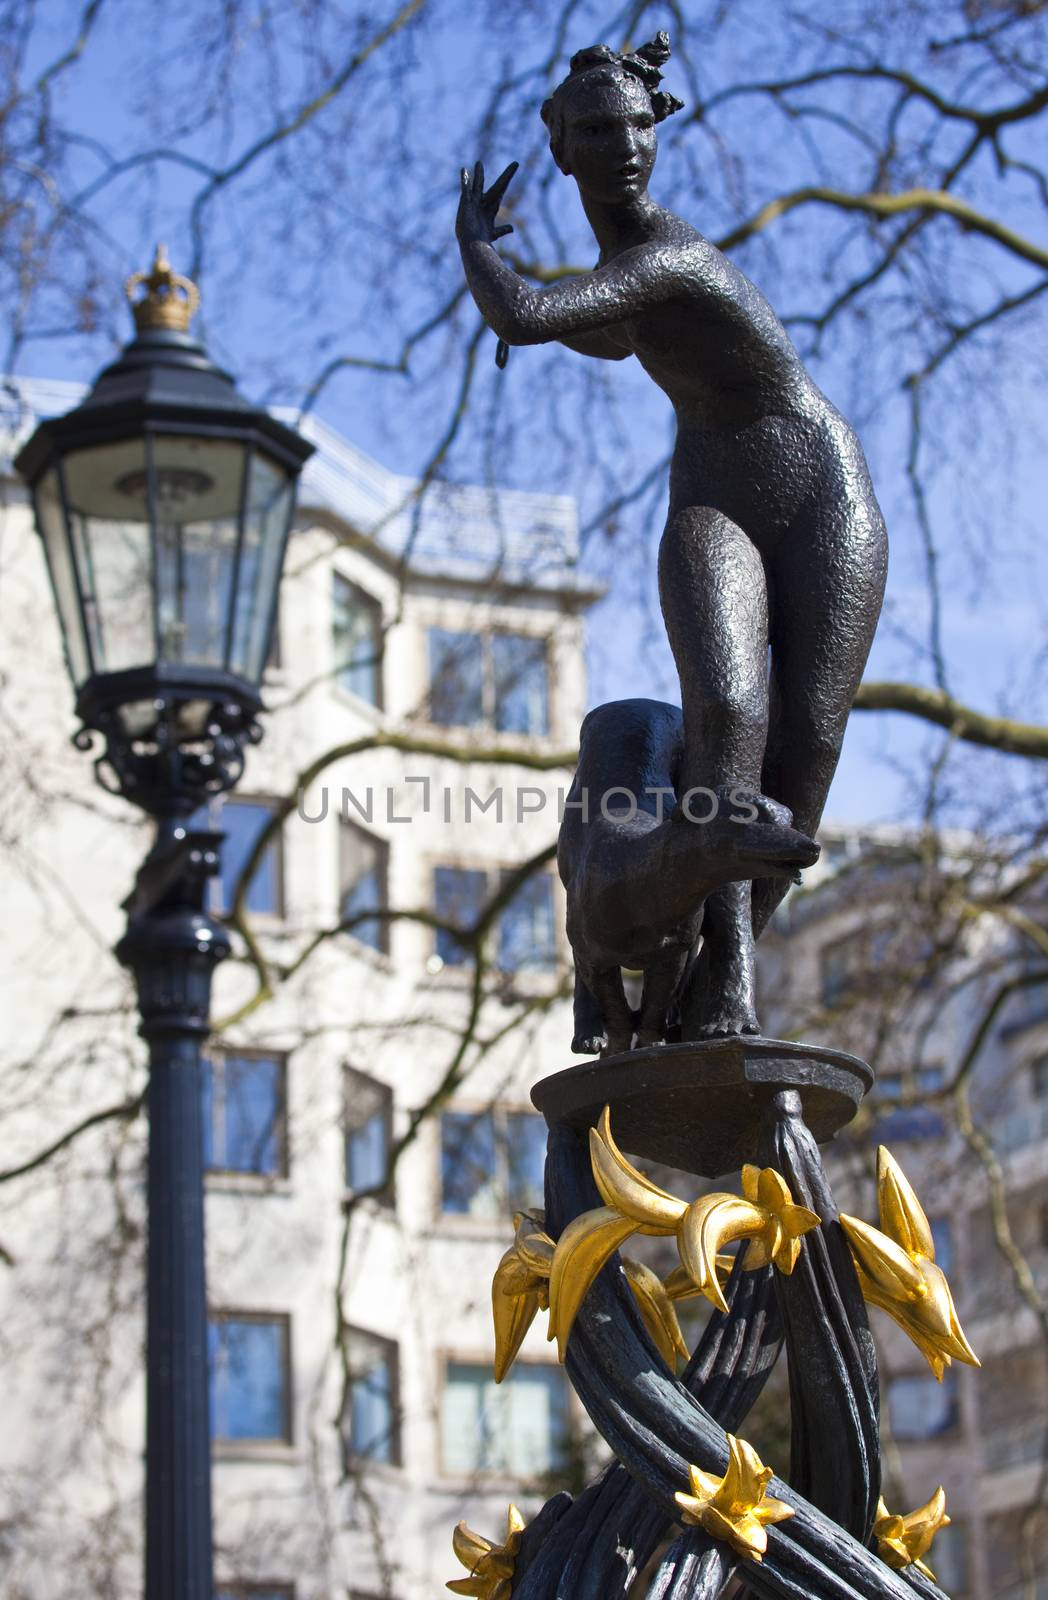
897 1271
904 1541
735 1507
765 1214
520 1288
490 1566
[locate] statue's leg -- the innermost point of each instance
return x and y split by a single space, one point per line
827 581
662 980
590 1037
606 987
714 600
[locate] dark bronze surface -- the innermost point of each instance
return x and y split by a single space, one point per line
699 1106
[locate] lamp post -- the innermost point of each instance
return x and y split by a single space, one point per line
164 502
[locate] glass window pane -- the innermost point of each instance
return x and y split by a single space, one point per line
468 1172
456 678
942 1238
198 492
526 936
51 520
521 684
356 623
921 1408
267 510
370 1423
368 1122
109 516
363 884
459 894
244 1113
249 1368
519 1427
525 1160
242 821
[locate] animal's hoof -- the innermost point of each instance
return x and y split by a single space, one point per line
723 1029
589 1044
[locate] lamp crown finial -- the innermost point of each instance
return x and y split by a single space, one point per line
170 300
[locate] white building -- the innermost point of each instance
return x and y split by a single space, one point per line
354 1415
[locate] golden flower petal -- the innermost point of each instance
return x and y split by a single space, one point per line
585 1246
656 1308
627 1190
902 1215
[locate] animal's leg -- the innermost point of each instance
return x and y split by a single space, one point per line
661 984
590 1037
714 600
827 582
610 996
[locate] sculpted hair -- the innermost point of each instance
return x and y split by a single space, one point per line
601 64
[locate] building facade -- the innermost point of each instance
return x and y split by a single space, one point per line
400 979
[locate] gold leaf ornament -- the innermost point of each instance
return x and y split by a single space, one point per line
764 1213
490 1566
897 1270
905 1541
520 1290
734 1507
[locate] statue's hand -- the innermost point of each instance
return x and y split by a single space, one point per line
477 211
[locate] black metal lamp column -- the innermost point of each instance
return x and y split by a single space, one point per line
164 502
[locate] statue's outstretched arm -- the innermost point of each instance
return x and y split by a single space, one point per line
581 306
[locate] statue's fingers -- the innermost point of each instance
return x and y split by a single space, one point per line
501 184
500 233
478 180
465 178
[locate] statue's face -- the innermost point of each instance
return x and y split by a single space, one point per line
609 139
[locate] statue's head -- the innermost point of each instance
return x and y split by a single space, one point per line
602 118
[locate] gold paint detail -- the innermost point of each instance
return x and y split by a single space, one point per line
905 1541
897 1271
765 1215
170 300
490 1566
735 1507
520 1290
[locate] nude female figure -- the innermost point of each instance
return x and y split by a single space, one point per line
774 536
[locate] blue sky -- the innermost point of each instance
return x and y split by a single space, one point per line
987 493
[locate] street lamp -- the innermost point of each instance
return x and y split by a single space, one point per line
164 502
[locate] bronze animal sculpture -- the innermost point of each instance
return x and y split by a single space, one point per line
639 858
773 559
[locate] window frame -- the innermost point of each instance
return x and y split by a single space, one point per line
494 873
949 1387
488 677
383 951
396 1455
215 896
447 1358
385 1197
379 703
221 1445
216 1053
500 1111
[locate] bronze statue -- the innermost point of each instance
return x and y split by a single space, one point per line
772 563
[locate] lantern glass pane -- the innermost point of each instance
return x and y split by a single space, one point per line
198 485
261 557
109 523
50 519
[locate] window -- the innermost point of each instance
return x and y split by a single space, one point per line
364 884
242 821
250 1366
519 1427
948 1559
498 680
370 1417
245 1126
909 1122
492 1163
851 964
356 624
526 938
368 1120
942 1238
920 1407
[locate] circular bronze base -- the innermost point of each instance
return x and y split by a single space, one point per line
698 1106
